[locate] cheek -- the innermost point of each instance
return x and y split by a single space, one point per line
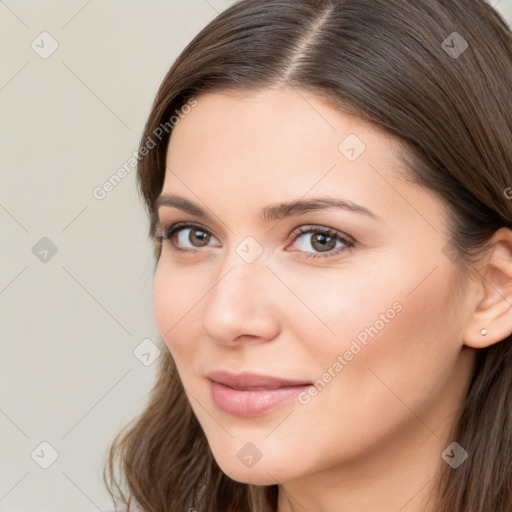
408 354
401 372
394 325
328 308
173 302
164 300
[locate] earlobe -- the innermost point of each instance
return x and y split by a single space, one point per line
499 318
491 318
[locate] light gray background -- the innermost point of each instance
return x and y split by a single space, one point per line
71 321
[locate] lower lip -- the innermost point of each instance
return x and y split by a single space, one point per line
255 402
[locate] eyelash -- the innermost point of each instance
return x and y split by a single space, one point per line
348 242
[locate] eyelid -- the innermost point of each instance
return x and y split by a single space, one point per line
315 228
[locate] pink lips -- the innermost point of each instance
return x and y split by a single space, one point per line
250 394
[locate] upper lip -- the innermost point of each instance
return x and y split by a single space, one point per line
252 380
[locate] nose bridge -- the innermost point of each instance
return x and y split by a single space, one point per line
243 266
239 303
238 277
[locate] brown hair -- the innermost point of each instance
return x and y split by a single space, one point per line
397 64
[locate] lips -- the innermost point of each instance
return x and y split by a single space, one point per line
250 394
253 381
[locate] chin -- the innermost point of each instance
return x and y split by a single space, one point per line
253 476
264 471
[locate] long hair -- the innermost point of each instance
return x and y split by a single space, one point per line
436 74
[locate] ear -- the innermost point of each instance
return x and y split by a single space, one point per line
493 301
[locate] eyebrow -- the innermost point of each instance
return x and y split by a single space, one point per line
271 212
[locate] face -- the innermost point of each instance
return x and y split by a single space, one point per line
355 303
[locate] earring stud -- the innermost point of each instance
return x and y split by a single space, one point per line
483 331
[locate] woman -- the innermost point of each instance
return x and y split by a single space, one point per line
332 223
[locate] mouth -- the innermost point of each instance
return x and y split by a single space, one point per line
252 381
249 394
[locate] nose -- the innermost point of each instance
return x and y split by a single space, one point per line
242 303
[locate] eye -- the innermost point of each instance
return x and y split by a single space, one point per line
323 240
187 233
327 241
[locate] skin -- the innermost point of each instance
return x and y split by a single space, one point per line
372 438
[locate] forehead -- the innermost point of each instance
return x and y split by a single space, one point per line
273 119
275 145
